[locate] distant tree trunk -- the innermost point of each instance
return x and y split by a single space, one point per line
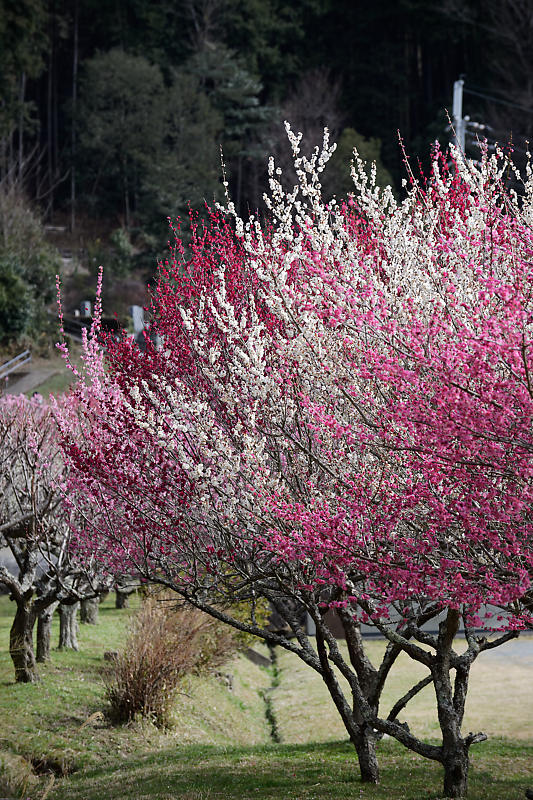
49 119
68 627
11 165
125 190
239 184
21 124
44 629
73 122
89 611
21 643
122 599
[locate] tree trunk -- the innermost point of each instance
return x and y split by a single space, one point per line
122 599
21 125
456 771
44 629
73 122
361 735
49 117
21 644
450 709
68 627
365 745
89 611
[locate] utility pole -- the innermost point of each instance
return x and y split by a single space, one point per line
458 120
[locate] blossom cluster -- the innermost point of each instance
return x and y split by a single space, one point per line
342 401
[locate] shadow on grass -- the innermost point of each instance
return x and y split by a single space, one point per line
292 772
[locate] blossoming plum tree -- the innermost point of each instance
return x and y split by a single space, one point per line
338 418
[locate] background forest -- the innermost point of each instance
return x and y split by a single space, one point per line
113 115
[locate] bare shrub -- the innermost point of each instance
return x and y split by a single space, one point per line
165 643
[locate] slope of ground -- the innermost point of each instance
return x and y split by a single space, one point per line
56 744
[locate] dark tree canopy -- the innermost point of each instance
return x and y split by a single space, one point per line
118 111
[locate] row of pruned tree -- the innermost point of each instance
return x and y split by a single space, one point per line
339 417
37 566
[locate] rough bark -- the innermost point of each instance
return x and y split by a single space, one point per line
361 735
364 740
68 626
450 710
456 764
89 611
44 629
21 643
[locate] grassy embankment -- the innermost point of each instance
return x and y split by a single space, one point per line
221 746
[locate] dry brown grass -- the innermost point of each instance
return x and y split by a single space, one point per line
500 699
165 644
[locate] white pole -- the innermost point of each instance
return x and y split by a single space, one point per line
458 121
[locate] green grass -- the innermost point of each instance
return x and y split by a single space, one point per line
279 772
63 378
220 745
58 720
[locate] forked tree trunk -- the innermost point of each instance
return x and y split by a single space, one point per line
89 611
450 709
21 644
44 630
361 735
68 627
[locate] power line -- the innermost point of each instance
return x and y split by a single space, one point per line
464 127
498 100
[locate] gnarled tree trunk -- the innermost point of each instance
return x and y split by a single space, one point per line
44 630
450 708
68 626
89 611
21 643
361 735
364 740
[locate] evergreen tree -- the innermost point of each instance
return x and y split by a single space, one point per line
122 125
28 266
22 45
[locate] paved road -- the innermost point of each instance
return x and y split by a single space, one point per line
23 382
516 652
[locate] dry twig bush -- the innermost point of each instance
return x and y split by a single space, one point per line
166 642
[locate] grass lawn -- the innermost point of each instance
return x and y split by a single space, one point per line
220 745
